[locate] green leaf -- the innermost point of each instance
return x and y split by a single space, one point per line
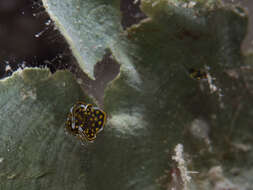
154 104
35 151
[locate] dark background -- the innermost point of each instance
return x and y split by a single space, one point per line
28 38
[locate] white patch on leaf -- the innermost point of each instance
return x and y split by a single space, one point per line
28 94
126 123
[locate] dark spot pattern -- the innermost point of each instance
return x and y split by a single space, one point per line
85 121
197 74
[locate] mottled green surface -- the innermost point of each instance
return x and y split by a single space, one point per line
92 27
153 104
36 151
